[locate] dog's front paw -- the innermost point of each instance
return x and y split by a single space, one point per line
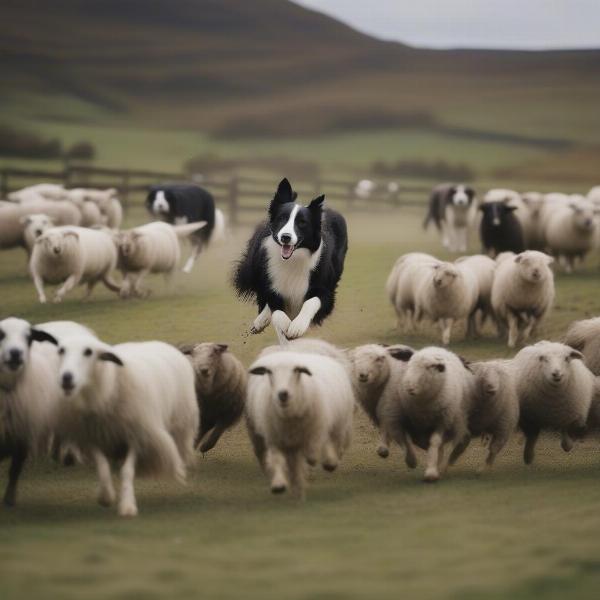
297 328
259 325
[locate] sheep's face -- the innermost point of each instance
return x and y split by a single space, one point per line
444 275
533 266
16 337
57 242
36 225
127 243
497 213
534 202
488 381
425 374
79 357
554 362
286 397
583 216
207 361
370 365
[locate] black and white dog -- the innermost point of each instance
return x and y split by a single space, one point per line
452 209
292 264
179 203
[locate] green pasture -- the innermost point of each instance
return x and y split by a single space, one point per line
370 530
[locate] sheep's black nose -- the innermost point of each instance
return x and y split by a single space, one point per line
286 238
556 375
15 358
67 381
56 250
205 372
363 377
283 396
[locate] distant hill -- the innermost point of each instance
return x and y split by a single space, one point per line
270 67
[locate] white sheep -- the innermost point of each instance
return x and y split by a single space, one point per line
435 398
585 336
221 381
12 218
29 396
40 191
444 293
555 391
483 267
33 226
311 346
570 231
399 285
494 409
522 293
529 209
111 209
73 255
299 409
377 372
133 402
150 248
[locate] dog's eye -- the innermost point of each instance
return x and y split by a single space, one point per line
87 352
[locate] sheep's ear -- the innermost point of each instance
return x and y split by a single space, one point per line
25 220
518 258
549 259
402 354
186 349
575 355
38 335
435 267
465 362
440 367
220 348
110 357
72 234
283 195
300 370
259 371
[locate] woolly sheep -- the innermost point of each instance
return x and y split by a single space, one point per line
28 396
220 390
483 268
444 292
494 410
111 209
570 232
522 293
299 409
73 255
12 216
40 191
33 226
150 248
434 403
311 346
555 391
529 212
585 336
133 402
377 376
399 284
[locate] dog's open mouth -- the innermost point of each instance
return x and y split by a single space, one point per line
287 250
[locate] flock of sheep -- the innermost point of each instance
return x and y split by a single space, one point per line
73 237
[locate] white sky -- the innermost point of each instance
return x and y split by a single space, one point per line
527 24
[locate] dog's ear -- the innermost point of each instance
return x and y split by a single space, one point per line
316 206
283 195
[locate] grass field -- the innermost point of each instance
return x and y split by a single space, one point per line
370 530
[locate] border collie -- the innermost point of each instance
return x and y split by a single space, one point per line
452 209
292 264
179 203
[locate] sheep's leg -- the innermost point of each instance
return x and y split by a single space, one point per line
445 235
410 456
195 253
383 449
210 438
446 325
330 458
296 468
262 321
19 456
463 239
106 491
127 503
433 452
513 329
566 442
569 264
459 449
66 287
530 442
137 284
281 323
39 287
110 283
472 329
276 468
89 289
498 442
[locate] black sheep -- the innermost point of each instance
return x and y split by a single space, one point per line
500 230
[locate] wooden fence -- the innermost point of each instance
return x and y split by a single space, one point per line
241 195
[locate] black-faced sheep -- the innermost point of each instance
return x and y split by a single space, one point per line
500 230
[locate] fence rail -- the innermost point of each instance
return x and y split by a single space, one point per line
240 194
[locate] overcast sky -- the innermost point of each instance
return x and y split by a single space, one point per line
531 24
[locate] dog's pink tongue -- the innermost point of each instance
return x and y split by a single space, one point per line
287 250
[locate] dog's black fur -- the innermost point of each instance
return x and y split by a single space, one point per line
313 225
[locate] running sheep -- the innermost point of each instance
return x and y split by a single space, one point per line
299 410
555 391
435 401
73 255
522 293
150 248
221 382
132 403
29 396
585 336
33 226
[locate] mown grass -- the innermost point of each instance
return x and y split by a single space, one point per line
372 529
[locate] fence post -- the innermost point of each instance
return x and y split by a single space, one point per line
125 191
233 199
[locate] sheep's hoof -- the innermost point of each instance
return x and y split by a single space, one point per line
383 451
431 476
106 498
43 300
128 510
411 462
566 444
278 489
329 467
